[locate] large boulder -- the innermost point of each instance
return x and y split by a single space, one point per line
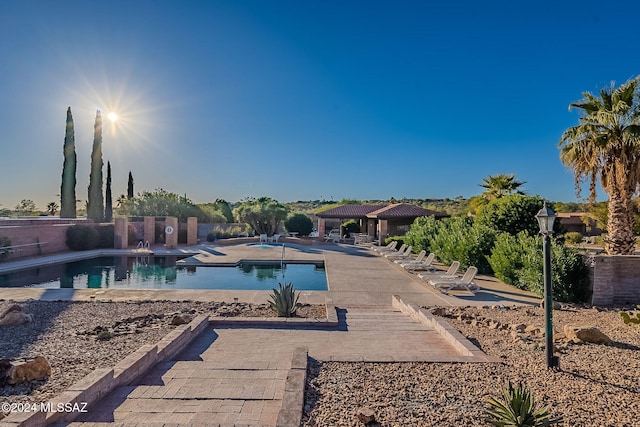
23 370
589 334
15 315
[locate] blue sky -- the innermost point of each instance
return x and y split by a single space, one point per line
300 100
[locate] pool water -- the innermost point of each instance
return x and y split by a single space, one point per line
153 272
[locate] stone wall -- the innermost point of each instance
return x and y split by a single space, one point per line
615 279
51 234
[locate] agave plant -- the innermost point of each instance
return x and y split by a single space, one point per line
284 300
517 408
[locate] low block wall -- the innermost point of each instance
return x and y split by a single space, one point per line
615 279
52 239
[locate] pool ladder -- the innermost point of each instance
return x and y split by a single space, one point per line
143 245
282 260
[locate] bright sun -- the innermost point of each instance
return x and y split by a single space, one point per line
112 116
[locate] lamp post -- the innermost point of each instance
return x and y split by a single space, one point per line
545 219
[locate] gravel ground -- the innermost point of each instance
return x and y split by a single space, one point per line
65 333
597 384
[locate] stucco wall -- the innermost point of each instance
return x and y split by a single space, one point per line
615 280
52 239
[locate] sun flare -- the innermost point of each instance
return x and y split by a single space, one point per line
112 116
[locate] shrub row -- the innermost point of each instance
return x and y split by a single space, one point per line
86 237
511 249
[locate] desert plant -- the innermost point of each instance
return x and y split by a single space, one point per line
516 407
299 223
630 319
284 300
459 239
422 232
573 237
82 237
350 226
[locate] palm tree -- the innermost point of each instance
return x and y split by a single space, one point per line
500 185
606 144
52 208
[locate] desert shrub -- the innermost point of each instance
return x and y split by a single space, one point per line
507 257
82 237
399 239
422 232
569 273
105 235
512 214
284 300
573 237
459 239
516 407
350 227
299 223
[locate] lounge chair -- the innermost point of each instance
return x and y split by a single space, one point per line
466 282
400 255
274 238
423 263
394 251
263 238
390 247
451 273
418 259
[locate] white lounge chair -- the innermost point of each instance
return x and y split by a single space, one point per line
394 251
466 282
263 238
418 259
274 238
389 247
451 273
400 255
423 262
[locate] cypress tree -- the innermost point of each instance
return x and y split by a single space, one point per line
108 203
68 186
95 204
130 187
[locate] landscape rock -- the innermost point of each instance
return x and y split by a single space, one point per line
366 416
181 319
589 334
24 370
15 315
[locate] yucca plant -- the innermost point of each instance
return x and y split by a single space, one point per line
517 408
284 300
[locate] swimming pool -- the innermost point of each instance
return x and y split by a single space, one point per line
154 272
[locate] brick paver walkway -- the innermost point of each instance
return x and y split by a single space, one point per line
235 375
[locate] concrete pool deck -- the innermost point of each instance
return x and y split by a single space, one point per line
239 374
355 276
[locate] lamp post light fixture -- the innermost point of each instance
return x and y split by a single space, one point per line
545 219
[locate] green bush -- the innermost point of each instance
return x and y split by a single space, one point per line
299 223
573 237
459 239
399 239
82 237
507 257
569 273
350 227
422 232
105 236
512 214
